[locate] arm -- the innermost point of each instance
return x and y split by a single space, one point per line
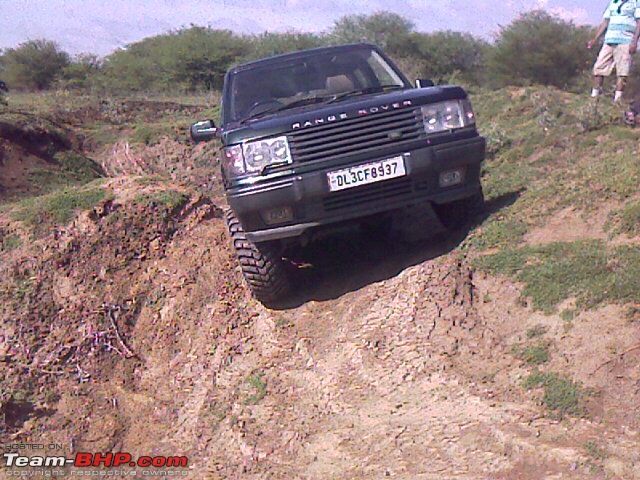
634 43
601 29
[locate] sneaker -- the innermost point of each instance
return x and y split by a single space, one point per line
629 118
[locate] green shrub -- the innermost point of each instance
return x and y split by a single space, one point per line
33 64
534 354
562 396
555 53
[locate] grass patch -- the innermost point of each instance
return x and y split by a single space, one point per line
557 150
586 270
77 167
534 354
168 200
101 135
632 313
568 315
9 242
595 451
497 140
258 387
561 397
58 208
504 176
627 220
499 233
536 331
152 134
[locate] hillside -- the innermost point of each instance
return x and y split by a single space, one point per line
506 351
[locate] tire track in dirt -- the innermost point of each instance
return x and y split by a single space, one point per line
380 382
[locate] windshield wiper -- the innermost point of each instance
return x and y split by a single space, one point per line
304 101
364 91
260 114
296 103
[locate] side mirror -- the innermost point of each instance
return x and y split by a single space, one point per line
203 131
424 82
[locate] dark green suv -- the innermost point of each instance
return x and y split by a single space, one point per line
319 138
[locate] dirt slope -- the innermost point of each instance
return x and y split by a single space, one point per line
129 329
405 376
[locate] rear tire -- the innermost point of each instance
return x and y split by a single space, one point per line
262 266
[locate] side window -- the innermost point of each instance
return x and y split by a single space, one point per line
383 72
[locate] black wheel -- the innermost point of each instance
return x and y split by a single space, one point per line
262 266
455 215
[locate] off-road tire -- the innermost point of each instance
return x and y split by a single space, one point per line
460 213
262 266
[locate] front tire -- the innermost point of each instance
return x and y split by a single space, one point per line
262 266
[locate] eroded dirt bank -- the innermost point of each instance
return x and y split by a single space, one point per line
403 370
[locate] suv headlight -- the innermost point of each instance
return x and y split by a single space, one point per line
447 115
251 158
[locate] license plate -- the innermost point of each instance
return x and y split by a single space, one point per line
365 174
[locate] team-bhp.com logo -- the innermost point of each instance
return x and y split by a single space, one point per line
85 459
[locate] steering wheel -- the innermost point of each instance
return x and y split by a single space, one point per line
264 105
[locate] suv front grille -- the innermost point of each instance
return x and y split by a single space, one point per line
357 135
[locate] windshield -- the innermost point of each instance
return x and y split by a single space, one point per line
304 80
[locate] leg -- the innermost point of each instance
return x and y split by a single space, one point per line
598 81
602 68
620 85
622 60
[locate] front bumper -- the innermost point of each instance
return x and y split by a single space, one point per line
313 205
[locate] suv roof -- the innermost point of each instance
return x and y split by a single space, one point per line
302 53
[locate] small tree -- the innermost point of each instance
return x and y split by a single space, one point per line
80 72
201 56
441 55
33 65
539 48
387 30
194 57
269 44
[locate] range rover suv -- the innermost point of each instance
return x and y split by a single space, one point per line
320 138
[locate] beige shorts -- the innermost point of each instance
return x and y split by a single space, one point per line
610 56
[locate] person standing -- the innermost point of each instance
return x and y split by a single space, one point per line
621 26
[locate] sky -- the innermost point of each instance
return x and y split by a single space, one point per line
100 26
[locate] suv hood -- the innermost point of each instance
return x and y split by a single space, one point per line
312 115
